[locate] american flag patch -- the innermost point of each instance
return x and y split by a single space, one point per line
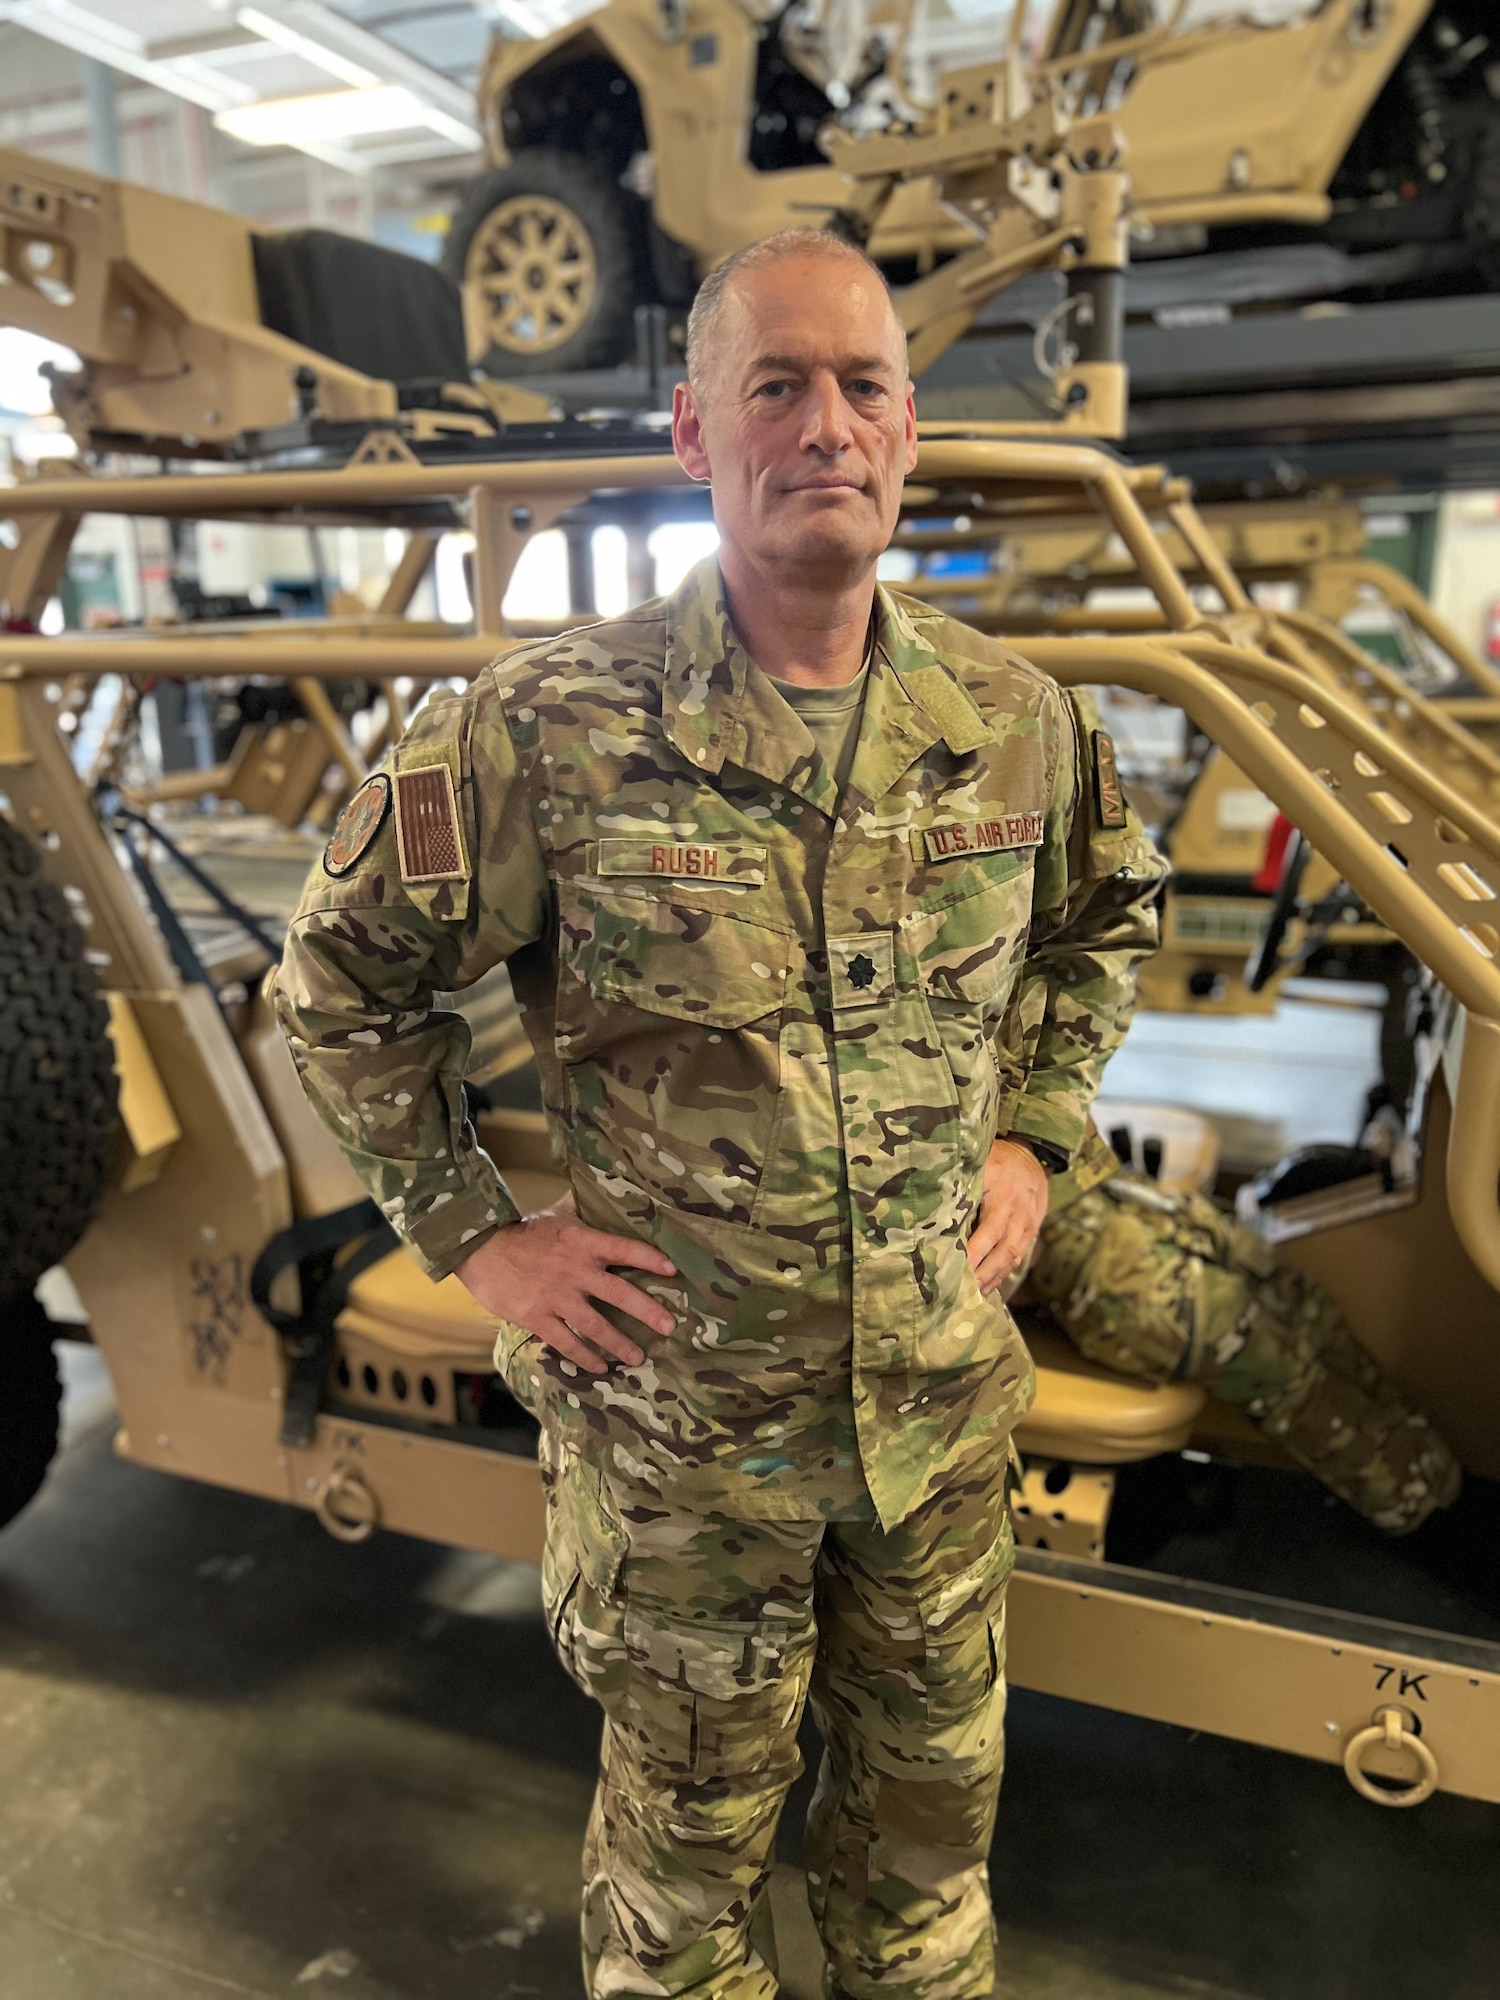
427 826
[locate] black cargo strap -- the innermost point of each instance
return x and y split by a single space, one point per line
312 1245
234 910
184 957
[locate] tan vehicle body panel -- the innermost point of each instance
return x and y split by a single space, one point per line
708 197
158 297
1232 116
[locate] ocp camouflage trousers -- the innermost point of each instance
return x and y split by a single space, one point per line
1165 1286
702 1637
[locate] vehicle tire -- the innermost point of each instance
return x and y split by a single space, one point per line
58 1089
30 1398
554 249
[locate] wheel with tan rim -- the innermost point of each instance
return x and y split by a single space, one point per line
547 252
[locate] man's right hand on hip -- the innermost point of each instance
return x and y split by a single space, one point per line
545 1272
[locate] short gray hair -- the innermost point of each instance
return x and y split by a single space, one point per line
708 306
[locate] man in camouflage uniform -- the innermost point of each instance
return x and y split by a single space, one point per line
808 895
1167 1286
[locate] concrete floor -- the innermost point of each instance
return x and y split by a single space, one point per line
239 1759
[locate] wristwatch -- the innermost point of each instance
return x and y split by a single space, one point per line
1051 1159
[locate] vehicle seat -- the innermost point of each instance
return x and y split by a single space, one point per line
1091 1416
1179 1149
361 304
397 1304
400 1304
1081 1413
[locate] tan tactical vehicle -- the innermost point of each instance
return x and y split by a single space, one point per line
635 149
201 335
369 1396
257 1331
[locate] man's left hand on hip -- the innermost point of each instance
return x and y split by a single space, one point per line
1012 1209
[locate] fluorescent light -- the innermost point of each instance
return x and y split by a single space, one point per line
317 53
91 34
322 115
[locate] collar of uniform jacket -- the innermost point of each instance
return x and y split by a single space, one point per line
719 709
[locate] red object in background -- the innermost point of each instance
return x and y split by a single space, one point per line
1492 630
1267 878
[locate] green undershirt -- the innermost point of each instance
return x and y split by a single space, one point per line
831 714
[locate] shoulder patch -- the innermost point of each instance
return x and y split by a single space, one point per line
427 826
1109 795
357 825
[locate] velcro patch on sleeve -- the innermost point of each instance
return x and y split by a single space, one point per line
427 833
357 825
726 861
982 836
1109 794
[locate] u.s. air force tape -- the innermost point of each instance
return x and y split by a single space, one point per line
978 836
1109 794
427 834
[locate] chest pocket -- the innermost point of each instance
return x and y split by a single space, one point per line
968 943
669 1012
969 930
680 947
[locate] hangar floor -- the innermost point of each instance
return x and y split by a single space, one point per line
238 1759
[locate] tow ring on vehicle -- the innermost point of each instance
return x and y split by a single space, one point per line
346 1506
1389 1729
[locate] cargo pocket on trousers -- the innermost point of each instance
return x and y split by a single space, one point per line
720 1703
963 1634
585 1551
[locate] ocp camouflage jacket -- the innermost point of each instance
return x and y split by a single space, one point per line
777 1032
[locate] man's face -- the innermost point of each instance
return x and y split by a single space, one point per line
804 419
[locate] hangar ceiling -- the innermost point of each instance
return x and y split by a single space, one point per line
360 84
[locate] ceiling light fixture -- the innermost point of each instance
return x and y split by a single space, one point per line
295 43
324 115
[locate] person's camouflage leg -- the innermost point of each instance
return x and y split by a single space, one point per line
696 1633
1165 1286
699 1652
909 1693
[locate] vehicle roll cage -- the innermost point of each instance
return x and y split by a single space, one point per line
1422 853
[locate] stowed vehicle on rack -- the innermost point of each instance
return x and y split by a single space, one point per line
362 1390
633 149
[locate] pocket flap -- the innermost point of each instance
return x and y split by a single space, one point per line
969 951
720 1661
690 964
975 1590
594 1534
